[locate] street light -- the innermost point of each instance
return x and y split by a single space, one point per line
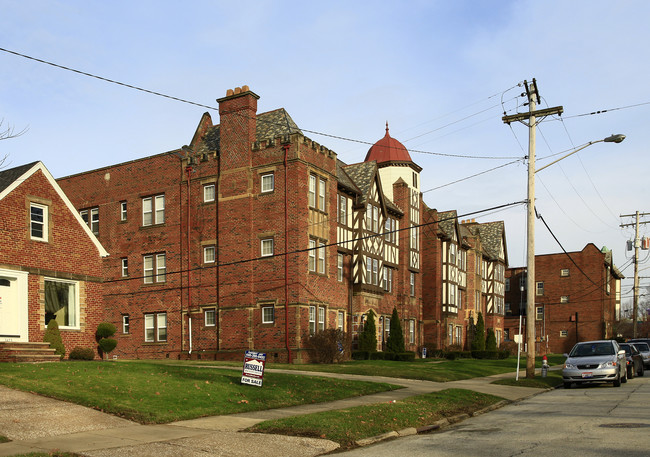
530 222
610 139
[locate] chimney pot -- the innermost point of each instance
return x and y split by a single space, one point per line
229 92
237 90
245 88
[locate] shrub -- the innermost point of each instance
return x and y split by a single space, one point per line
105 344
491 340
79 353
478 343
405 356
104 330
53 336
510 347
328 346
485 354
395 343
368 337
378 356
360 355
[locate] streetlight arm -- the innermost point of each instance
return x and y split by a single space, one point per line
610 139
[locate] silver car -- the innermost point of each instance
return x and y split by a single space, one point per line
595 361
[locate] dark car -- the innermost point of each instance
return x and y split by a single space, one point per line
634 360
644 349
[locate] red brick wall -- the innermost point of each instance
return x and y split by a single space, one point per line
68 254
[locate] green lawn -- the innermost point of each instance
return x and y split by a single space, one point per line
150 392
349 425
438 370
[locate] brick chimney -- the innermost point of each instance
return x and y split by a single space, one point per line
237 112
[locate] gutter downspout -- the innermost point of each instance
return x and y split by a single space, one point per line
188 170
286 256
217 257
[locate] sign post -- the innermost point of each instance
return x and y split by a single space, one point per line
253 372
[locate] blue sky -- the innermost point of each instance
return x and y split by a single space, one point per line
441 73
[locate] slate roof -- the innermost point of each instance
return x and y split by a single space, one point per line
269 125
492 238
344 179
447 222
7 177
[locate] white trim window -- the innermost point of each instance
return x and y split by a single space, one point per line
321 257
125 267
38 219
91 218
412 284
208 192
210 317
123 212
343 210
312 191
539 288
155 327
322 185
267 182
339 267
312 255
387 279
266 247
312 320
564 333
340 320
564 299
268 314
153 210
154 263
208 254
564 272
62 303
411 331
539 313
126 324
321 318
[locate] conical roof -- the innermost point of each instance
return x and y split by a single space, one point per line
388 149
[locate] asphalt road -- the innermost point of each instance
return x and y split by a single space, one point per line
584 421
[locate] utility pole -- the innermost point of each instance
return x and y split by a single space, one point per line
531 118
637 244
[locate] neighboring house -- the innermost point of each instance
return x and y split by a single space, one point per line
50 262
577 298
254 237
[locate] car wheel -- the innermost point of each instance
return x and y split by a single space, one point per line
567 385
641 371
617 381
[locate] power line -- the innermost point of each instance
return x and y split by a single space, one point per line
178 99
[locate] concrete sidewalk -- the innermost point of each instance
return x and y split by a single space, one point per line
40 424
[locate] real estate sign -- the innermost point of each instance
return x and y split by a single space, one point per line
253 368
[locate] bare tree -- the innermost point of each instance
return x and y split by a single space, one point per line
7 132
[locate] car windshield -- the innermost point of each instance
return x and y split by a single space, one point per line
591 349
628 349
643 347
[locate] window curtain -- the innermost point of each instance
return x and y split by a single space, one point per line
58 296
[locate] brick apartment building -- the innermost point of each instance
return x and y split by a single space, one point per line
254 236
50 262
577 298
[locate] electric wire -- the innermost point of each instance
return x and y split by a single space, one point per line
178 99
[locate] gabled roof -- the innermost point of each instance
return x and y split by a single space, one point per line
275 123
344 179
363 176
8 177
492 238
14 177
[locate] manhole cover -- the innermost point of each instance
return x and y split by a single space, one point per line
625 425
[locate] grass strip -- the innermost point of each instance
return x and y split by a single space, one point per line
349 425
552 380
148 392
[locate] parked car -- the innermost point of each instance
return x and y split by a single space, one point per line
634 360
595 362
644 349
